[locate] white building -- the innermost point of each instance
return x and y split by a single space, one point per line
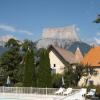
60 57
92 59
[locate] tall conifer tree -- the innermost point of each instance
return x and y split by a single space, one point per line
44 72
29 73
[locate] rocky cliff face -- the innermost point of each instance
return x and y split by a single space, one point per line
58 36
68 45
65 37
44 43
67 33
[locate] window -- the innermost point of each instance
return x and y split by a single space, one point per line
54 65
90 82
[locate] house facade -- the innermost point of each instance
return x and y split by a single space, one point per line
92 58
56 64
59 58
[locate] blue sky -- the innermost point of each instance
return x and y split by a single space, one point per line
27 18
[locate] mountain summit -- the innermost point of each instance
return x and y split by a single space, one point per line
60 36
69 33
64 37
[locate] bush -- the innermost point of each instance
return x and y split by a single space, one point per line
97 90
56 80
19 84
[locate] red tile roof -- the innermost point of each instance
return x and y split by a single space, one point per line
92 58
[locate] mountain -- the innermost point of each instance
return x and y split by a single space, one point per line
44 43
62 33
64 37
61 36
66 44
2 50
84 47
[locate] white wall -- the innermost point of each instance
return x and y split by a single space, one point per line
95 79
55 60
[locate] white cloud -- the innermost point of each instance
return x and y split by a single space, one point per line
97 40
26 32
9 28
5 38
98 34
77 28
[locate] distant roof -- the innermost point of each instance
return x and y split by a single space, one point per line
92 58
64 54
78 55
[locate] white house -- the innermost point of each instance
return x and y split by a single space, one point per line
59 57
92 58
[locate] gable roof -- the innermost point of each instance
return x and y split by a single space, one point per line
78 55
63 54
92 58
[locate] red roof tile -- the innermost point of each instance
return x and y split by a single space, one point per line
92 58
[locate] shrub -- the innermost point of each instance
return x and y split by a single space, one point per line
19 84
97 90
56 80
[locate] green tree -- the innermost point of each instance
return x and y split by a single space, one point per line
69 77
29 72
10 60
12 43
97 19
74 73
88 72
56 80
28 44
44 72
78 72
